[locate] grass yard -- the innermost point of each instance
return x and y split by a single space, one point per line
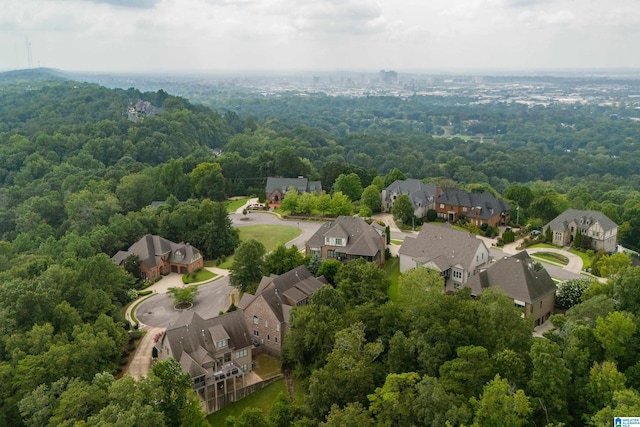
396 242
198 276
552 257
586 259
262 399
235 204
543 245
271 236
392 272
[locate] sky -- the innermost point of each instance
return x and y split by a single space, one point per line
298 35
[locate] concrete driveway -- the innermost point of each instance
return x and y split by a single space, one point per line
158 311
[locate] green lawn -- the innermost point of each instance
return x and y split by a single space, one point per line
543 245
392 272
233 205
586 260
199 276
271 237
396 242
262 399
552 257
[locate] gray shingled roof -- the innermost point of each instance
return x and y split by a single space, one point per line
192 334
287 290
301 184
561 222
419 193
488 204
151 248
362 239
517 277
442 245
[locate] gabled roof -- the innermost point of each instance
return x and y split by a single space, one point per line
419 193
303 185
287 290
150 249
362 239
580 217
517 277
482 205
195 336
443 246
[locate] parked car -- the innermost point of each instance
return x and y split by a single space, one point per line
256 206
536 233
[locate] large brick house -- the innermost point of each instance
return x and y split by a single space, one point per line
457 255
215 352
277 188
422 195
520 278
160 256
347 238
476 208
266 313
594 225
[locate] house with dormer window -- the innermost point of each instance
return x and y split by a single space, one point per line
159 256
277 188
266 313
457 255
477 208
521 278
594 225
215 352
347 238
421 195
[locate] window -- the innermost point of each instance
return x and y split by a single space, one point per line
338 241
441 205
221 344
331 253
266 323
241 353
244 368
255 320
278 327
256 333
268 337
464 209
227 357
327 241
457 274
276 339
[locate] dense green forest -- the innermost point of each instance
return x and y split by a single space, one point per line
77 176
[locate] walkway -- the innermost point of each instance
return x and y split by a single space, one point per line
141 362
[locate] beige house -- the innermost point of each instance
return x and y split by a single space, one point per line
520 278
266 313
595 225
457 255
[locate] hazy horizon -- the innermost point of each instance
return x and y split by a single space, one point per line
438 36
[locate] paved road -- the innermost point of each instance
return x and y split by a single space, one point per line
158 310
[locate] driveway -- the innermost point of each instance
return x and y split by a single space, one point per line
158 311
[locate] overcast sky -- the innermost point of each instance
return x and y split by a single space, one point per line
222 35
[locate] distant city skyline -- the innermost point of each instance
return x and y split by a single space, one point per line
280 35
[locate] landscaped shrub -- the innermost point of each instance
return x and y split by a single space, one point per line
570 292
508 237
